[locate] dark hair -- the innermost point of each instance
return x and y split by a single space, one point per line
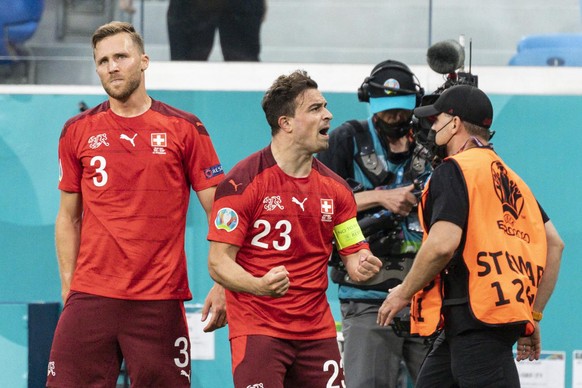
279 100
114 28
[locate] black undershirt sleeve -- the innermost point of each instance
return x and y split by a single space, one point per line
448 200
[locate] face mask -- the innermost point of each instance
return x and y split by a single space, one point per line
400 157
439 151
392 131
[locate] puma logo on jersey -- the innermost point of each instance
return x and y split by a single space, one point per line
184 373
129 139
295 200
234 184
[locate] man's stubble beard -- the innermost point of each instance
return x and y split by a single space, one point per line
125 93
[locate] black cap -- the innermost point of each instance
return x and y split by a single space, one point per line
468 102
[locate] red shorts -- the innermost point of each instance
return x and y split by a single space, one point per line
94 334
262 361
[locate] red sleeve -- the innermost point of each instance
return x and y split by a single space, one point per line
354 248
70 169
230 217
203 165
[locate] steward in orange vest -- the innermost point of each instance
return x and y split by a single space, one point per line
489 260
504 251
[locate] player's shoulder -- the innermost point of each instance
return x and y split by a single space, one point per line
171 112
85 116
245 173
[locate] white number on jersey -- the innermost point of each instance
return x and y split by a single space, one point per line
281 243
100 169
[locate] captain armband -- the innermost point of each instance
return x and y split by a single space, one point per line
348 233
537 316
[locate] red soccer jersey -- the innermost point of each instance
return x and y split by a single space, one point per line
135 176
277 220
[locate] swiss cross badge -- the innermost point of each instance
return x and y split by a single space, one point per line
326 209
158 140
159 143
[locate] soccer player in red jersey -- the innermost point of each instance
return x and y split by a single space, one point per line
126 169
273 222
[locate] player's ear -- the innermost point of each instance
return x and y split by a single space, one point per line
285 123
145 62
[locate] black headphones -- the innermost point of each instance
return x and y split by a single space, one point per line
369 82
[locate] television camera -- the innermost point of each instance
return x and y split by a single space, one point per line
446 57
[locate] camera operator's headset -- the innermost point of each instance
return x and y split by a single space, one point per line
370 82
367 156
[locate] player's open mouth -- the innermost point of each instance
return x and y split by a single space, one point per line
324 131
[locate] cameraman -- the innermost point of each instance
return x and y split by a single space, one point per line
377 157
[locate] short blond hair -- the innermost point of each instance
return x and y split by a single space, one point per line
114 28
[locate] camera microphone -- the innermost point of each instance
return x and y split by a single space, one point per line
446 57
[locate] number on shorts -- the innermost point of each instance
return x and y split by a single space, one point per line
332 365
182 343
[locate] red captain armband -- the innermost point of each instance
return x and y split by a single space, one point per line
537 316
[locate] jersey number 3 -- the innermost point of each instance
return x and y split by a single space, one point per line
99 163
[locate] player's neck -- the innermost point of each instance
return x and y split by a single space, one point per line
136 105
290 161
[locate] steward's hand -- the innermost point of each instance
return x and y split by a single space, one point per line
391 306
530 348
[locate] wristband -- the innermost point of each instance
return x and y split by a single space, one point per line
537 316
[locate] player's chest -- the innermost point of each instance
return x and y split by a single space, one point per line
132 141
298 202
128 153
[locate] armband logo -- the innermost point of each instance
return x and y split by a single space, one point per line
227 219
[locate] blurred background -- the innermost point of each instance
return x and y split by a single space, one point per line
55 42
527 55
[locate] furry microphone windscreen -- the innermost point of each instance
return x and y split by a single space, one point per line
446 56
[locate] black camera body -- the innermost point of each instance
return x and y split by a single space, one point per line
384 220
467 78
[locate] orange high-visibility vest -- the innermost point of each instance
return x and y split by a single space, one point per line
505 249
